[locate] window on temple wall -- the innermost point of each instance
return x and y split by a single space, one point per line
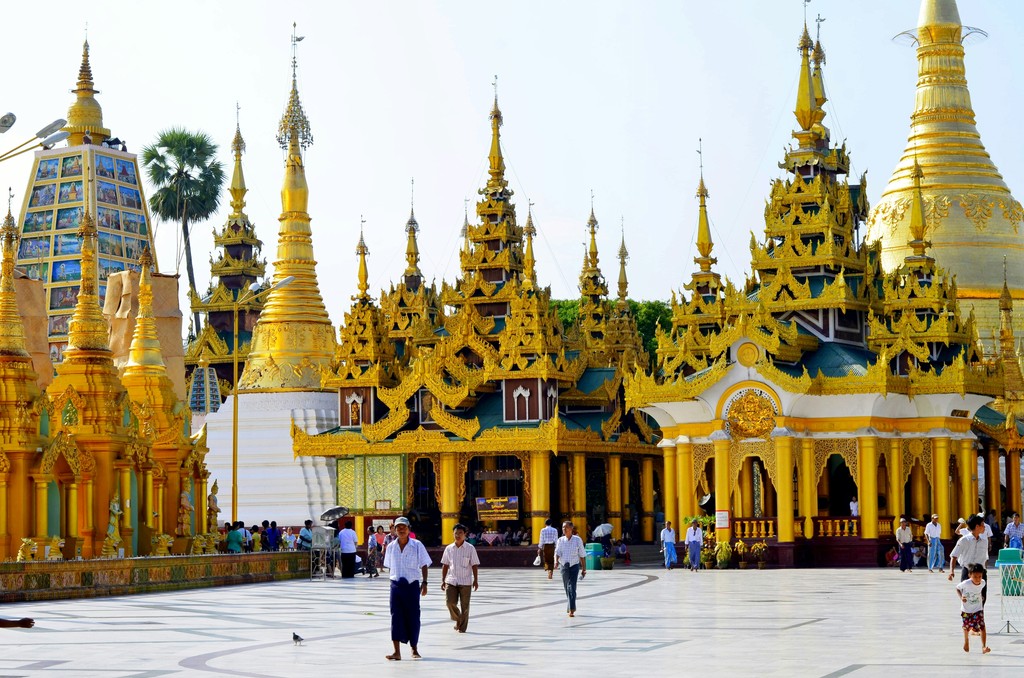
354 404
551 398
521 403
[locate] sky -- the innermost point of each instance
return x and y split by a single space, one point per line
599 98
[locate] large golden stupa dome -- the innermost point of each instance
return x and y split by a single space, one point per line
972 219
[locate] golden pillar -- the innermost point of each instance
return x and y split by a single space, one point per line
684 480
808 486
940 483
968 477
359 523
41 515
449 495
784 463
867 488
992 481
668 484
160 505
647 499
5 535
1013 490
579 492
72 530
745 489
125 484
918 491
201 517
490 487
90 521
563 488
626 516
147 481
895 469
722 493
614 485
540 491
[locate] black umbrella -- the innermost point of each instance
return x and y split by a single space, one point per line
333 514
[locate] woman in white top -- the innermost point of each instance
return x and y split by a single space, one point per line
571 560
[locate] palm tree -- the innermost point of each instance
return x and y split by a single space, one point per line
183 167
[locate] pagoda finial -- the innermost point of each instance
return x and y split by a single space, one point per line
496 182
704 242
465 225
1005 298
529 261
88 328
362 251
623 258
237 188
12 332
808 112
818 56
85 113
917 221
412 250
145 355
293 132
592 228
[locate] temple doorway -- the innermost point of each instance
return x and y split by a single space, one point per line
425 513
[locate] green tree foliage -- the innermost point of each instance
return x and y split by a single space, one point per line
648 314
183 167
568 310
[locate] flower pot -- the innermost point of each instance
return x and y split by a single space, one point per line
607 563
723 564
761 565
743 564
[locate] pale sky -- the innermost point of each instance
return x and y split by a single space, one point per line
596 95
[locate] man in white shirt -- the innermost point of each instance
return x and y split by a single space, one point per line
571 558
407 562
347 539
668 545
936 554
459 571
904 539
546 547
693 542
854 507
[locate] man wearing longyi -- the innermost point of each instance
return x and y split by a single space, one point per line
407 561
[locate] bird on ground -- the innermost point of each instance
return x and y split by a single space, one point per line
297 639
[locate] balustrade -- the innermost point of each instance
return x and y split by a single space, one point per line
885 526
753 528
836 527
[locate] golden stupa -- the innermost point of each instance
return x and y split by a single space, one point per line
972 219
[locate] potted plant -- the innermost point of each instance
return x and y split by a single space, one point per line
759 550
607 562
723 553
742 553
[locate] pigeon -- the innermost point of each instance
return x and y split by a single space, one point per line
297 639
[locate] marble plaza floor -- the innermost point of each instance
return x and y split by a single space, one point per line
630 622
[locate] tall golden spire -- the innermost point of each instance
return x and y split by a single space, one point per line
12 332
293 330
808 112
464 233
238 189
917 221
85 113
144 356
364 275
704 242
412 250
529 261
496 181
623 281
88 329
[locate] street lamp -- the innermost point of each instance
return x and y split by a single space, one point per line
50 135
252 294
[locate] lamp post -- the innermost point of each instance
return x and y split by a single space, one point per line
251 295
50 135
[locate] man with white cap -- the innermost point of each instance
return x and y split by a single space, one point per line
936 554
407 561
904 538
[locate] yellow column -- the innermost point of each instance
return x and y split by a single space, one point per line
992 483
614 486
449 500
490 487
359 525
579 492
90 525
160 505
540 491
3 510
147 480
626 516
126 497
918 491
684 481
940 483
722 493
200 504
969 477
896 482
745 489
867 489
784 472
668 484
647 499
808 486
1013 494
41 516
563 488
72 509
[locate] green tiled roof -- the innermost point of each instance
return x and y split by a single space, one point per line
594 377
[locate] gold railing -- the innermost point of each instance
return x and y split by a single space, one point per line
836 527
798 527
753 528
885 526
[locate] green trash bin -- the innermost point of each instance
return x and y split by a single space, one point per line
594 553
1011 570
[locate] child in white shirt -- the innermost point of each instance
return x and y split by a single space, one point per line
972 610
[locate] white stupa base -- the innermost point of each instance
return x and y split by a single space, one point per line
272 483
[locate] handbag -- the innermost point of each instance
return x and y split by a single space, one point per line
536 561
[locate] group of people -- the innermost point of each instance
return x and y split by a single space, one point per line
266 537
693 542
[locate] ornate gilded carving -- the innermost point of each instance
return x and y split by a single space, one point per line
977 209
749 413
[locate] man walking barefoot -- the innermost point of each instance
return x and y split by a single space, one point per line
571 558
546 547
407 561
459 571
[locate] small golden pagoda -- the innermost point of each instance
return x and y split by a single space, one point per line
970 214
237 267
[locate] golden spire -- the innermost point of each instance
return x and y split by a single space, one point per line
496 183
1005 299
807 109
12 332
465 227
818 55
592 228
623 258
145 355
529 262
917 221
85 113
293 330
88 330
364 275
237 189
704 242
412 250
